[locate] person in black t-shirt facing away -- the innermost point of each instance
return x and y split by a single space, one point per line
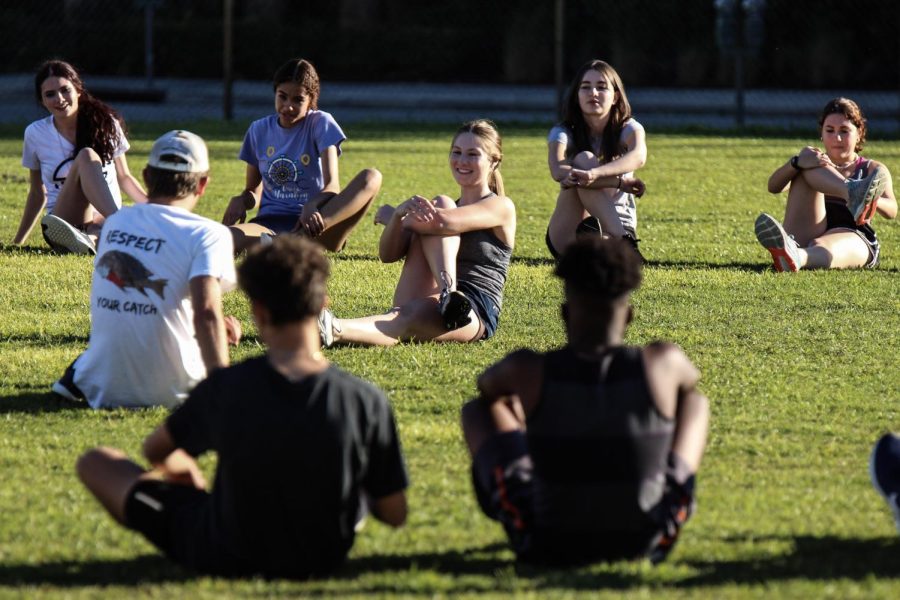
589 452
303 447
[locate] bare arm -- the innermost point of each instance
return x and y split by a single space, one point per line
672 380
491 212
34 204
391 509
173 463
807 158
560 167
635 157
887 203
128 182
209 324
519 376
394 241
330 177
236 212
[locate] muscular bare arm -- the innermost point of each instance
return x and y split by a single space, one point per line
209 323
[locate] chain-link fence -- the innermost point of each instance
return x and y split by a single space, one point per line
712 62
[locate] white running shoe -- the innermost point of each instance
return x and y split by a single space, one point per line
326 328
863 195
64 238
784 249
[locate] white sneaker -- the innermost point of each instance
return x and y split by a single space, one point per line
863 195
784 249
326 328
64 238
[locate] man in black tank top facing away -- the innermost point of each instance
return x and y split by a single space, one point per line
589 452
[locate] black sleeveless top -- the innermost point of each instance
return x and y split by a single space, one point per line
599 447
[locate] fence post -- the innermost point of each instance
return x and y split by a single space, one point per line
739 65
559 17
149 10
227 60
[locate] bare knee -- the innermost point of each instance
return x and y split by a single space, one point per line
87 155
372 180
93 460
474 414
585 160
443 201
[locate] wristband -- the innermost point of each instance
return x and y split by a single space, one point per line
619 183
795 162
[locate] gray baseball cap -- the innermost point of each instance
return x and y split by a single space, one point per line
180 151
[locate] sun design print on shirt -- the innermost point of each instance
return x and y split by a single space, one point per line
283 171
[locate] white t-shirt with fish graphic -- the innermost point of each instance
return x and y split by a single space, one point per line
142 350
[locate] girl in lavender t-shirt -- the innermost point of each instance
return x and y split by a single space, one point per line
292 170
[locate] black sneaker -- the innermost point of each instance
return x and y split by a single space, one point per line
590 226
455 309
65 386
884 469
633 241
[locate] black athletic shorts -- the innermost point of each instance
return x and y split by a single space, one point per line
173 518
838 216
483 305
502 477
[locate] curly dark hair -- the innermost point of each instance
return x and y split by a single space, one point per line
288 277
605 269
573 118
298 70
96 121
851 111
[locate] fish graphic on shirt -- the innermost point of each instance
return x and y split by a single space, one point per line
125 271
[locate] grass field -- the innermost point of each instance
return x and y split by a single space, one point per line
801 372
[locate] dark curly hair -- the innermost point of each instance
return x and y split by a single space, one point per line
288 277
573 118
851 111
605 269
298 70
96 121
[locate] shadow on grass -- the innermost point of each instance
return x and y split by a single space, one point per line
814 558
37 402
36 250
152 568
47 339
757 267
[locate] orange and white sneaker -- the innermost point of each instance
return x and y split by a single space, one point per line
863 194
785 251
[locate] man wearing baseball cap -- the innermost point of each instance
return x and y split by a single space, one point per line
156 296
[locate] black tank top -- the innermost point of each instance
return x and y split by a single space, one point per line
599 447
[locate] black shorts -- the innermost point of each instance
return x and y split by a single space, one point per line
502 477
277 223
838 216
483 305
174 519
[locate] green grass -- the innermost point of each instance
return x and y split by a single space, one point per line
800 371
